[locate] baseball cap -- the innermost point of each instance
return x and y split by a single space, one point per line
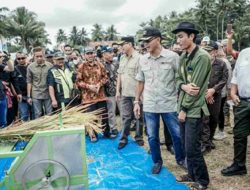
106 49
59 55
89 49
126 39
150 32
212 45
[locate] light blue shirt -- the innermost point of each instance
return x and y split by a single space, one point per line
158 75
241 73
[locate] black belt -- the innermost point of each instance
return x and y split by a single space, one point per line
245 99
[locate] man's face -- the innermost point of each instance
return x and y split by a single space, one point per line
108 56
213 53
68 50
89 56
152 44
126 47
39 57
184 40
21 58
59 62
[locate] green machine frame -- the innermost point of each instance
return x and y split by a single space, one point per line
51 160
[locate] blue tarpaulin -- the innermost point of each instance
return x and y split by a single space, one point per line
126 169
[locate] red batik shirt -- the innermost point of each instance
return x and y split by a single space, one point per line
91 74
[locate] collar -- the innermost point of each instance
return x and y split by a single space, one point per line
40 65
163 53
90 63
192 54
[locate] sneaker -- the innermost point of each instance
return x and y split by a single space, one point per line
220 136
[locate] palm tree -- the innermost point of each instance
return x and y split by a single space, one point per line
83 39
61 36
74 36
97 33
23 23
3 16
111 33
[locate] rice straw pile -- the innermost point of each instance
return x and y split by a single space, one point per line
75 117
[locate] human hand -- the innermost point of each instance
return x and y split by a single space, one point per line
182 116
236 100
54 104
209 93
191 89
137 110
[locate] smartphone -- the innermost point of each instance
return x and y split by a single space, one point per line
229 28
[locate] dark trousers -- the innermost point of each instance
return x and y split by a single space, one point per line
101 105
167 136
191 132
241 131
210 123
127 107
222 114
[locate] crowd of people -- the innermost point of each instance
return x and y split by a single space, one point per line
186 86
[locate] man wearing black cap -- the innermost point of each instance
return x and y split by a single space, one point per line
110 87
192 79
126 86
156 80
217 81
60 81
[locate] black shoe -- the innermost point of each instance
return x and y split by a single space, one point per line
157 168
170 148
205 150
140 142
234 169
121 145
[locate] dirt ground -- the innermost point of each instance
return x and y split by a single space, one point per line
216 160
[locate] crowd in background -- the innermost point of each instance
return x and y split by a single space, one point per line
187 85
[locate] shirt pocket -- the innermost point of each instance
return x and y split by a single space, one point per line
148 73
165 73
131 70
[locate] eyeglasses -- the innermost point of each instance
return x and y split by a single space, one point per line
21 58
74 58
149 40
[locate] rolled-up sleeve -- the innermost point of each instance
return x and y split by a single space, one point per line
140 74
29 75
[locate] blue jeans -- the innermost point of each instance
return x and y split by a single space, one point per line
153 125
24 109
3 112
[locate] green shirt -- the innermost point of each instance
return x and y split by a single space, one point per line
194 68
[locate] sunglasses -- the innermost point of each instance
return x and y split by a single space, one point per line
149 40
21 58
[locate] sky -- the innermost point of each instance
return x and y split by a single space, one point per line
126 15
